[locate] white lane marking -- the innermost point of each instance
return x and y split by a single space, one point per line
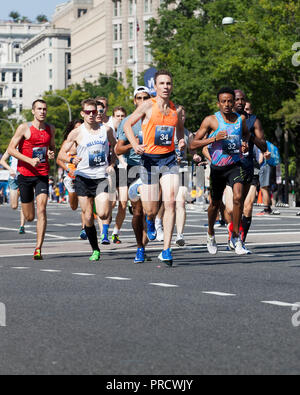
278 303
218 293
165 285
34 233
119 278
84 274
20 268
50 271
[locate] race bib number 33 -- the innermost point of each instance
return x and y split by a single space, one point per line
164 135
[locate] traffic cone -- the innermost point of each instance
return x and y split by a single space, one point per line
259 198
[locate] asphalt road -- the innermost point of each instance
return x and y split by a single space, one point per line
206 315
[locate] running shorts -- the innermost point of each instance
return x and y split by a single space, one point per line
87 187
30 185
225 175
153 167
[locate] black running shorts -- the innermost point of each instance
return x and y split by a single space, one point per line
225 175
87 187
30 185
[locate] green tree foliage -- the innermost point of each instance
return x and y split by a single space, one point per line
15 16
42 18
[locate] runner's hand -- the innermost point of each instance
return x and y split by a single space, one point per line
222 135
76 160
51 155
181 144
267 155
34 162
110 169
245 147
12 173
197 158
139 149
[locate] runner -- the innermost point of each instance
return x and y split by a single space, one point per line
33 145
161 120
69 178
92 161
131 173
250 166
223 134
14 192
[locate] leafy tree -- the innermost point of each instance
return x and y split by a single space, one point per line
15 16
42 18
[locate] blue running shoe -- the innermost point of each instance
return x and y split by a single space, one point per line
140 255
151 231
166 257
104 239
83 235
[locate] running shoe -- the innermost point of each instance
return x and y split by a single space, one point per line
140 256
180 241
166 257
83 235
159 232
104 239
229 229
238 246
151 231
212 245
95 257
115 239
37 255
275 212
21 230
298 214
130 207
133 192
264 212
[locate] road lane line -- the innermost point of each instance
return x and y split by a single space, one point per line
165 285
278 303
84 274
218 293
50 271
119 278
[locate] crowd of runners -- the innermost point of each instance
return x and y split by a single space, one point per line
142 158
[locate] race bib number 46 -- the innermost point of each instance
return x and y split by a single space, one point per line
40 152
164 135
97 159
232 145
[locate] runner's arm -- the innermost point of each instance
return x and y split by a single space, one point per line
3 161
112 142
200 140
60 162
138 114
259 138
66 147
14 143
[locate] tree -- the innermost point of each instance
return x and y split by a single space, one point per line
15 16
42 18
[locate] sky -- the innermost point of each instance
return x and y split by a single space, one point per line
29 8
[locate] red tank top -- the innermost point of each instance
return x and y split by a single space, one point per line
35 147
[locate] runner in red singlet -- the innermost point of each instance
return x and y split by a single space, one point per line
36 146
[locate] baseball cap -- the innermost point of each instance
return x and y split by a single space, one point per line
142 89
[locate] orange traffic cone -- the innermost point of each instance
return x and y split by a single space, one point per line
259 198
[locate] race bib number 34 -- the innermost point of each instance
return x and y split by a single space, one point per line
164 135
97 159
40 152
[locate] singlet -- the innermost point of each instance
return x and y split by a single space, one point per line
227 152
35 147
249 158
159 132
94 151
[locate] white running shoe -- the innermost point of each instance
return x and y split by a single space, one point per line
180 240
212 245
133 191
238 246
159 233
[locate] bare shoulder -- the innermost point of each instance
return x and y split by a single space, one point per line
22 128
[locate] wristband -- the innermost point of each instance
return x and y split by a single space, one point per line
71 160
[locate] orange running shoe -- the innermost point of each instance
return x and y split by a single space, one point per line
37 256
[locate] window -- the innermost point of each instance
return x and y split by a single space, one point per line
21 93
14 77
3 75
146 26
17 58
1 92
20 107
131 53
117 8
81 11
147 54
131 7
14 93
50 58
147 6
118 56
20 76
50 42
69 42
50 88
130 30
68 58
69 74
118 32
50 74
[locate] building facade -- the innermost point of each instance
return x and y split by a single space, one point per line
107 36
12 37
46 60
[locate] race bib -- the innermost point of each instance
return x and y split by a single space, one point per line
97 158
232 145
164 135
40 152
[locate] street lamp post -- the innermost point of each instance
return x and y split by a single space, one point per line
65 100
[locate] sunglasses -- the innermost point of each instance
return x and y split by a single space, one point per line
143 98
88 112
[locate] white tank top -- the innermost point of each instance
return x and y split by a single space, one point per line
94 151
13 164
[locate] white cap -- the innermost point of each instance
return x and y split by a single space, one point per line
142 89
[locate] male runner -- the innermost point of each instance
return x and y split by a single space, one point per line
223 133
92 161
161 119
33 145
132 171
249 163
14 192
